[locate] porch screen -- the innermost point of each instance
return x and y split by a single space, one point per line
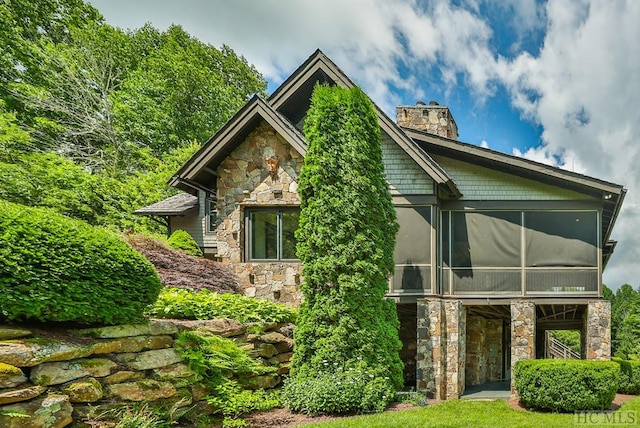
485 239
412 254
561 239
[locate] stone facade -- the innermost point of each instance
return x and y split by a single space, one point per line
523 334
261 172
57 382
484 350
433 118
441 348
597 331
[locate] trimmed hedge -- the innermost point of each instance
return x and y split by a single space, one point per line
54 268
566 385
181 240
629 376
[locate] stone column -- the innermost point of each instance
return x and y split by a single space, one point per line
430 352
523 335
598 330
455 317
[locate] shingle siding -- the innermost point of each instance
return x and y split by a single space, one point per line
195 224
404 175
480 183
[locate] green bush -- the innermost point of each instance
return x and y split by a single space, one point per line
181 240
629 376
566 385
338 391
205 304
53 268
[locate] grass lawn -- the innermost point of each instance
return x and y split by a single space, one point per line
467 413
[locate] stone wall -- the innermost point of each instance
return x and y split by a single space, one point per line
523 334
244 181
441 348
484 350
597 339
57 379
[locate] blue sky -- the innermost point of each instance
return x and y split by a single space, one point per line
554 81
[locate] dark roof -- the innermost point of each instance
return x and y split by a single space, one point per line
286 107
610 194
175 205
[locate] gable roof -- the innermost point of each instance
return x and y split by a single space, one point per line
293 96
285 107
200 169
611 194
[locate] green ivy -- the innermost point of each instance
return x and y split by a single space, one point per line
54 268
204 304
346 238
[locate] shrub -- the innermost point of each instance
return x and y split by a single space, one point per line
629 376
181 240
566 385
339 391
58 269
204 304
346 238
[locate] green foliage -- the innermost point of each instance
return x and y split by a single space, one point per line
233 402
337 391
204 304
629 376
58 269
345 242
566 385
215 360
571 338
181 240
625 322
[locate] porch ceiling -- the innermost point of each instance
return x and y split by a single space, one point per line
490 311
548 313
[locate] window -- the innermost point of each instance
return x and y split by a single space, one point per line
272 234
412 253
211 215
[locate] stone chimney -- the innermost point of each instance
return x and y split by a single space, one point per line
433 118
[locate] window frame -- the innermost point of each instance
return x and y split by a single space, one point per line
211 215
280 211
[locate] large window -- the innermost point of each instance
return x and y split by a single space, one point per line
506 251
272 234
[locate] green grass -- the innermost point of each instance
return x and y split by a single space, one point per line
466 413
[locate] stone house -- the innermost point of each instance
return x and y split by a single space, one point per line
493 250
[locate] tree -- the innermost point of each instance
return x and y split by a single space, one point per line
347 348
625 321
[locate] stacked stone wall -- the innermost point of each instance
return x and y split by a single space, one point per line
484 350
56 379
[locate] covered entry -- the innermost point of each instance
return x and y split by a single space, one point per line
488 346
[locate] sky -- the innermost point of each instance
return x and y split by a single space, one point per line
554 81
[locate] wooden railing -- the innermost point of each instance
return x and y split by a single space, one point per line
556 349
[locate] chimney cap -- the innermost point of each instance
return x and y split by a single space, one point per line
433 103
420 103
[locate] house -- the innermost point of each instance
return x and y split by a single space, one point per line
493 250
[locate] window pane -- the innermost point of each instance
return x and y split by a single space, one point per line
485 239
561 239
289 226
264 235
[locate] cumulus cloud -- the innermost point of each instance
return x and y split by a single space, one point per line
581 86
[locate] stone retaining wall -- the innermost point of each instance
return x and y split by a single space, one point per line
56 380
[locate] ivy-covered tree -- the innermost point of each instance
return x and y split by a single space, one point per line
346 358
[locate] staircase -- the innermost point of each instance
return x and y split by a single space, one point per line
556 349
